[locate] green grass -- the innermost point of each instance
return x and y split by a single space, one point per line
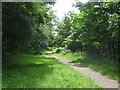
41 71
105 66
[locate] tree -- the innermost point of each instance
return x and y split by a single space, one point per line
94 29
26 26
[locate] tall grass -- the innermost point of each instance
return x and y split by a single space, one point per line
41 71
104 66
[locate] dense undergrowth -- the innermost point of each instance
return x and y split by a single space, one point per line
41 71
102 65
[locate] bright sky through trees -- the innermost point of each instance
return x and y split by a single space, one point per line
63 6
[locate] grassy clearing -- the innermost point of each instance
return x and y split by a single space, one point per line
105 67
41 71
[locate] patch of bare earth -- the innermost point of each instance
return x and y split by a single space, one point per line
97 77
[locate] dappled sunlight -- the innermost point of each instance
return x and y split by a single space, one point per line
31 59
38 63
84 33
94 63
90 66
42 72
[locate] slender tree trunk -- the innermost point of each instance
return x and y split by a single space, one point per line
118 45
113 48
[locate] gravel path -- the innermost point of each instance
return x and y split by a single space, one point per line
97 77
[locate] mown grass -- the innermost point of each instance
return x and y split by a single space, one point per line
41 71
106 67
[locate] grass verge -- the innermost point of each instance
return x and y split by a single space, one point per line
41 71
105 67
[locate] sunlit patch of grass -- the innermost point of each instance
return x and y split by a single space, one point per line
106 67
41 71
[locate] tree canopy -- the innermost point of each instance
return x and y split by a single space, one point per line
94 29
26 26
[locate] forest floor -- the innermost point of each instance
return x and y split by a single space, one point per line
97 77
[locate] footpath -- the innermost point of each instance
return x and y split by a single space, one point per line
102 80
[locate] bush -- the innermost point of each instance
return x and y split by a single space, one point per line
58 50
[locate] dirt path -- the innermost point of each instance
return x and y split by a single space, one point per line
97 77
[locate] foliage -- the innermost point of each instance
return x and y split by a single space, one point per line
26 26
94 30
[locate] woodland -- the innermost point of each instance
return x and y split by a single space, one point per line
90 38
